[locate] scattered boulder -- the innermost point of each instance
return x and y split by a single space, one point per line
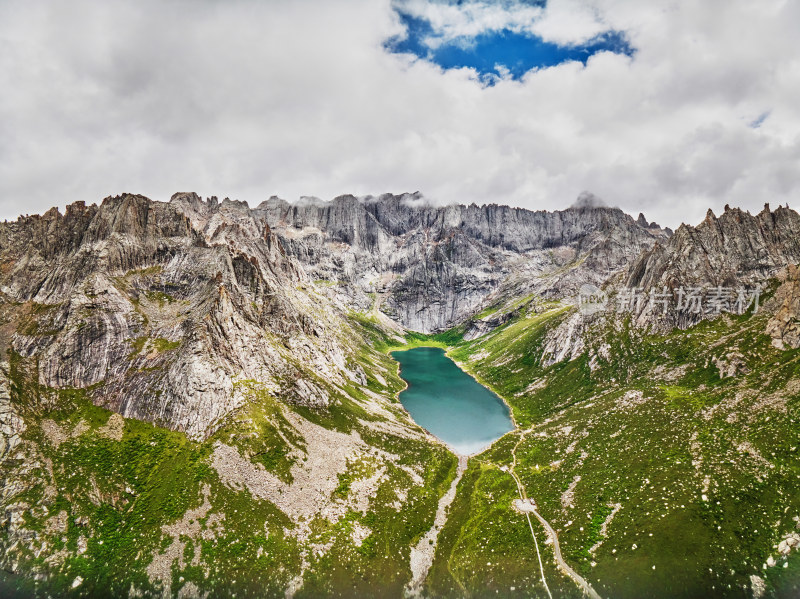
757 586
731 365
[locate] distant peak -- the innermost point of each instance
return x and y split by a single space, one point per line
185 195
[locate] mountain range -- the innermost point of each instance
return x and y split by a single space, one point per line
197 399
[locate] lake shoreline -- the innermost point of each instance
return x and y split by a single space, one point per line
473 391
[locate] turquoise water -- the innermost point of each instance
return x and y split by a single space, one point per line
448 402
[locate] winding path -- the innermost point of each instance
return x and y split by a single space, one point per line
565 567
579 580
522 497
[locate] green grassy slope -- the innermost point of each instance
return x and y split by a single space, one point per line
662 477
695 477
96 497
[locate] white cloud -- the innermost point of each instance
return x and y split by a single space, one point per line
451 21
570 22
249 99
565 22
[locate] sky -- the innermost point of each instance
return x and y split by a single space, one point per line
668 107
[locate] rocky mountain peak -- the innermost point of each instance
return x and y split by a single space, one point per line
434 265
734 250
157 307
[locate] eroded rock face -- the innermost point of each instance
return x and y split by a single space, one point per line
158 308
434 266
784 326
736 248
11 423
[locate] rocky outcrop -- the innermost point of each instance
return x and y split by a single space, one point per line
11 423
736 248
436 265
156 309
784 326
732 256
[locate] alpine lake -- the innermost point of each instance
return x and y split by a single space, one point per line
449 403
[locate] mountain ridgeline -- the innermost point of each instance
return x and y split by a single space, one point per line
434 266
201 394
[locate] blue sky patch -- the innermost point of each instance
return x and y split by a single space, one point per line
497 53
759 120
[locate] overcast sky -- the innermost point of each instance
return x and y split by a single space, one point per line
667 107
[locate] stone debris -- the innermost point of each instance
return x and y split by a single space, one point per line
294 585
113 428
524 505
631 399
359 533
189 590
423 553
733 364
58 523
160 569
57 434
568 496
791 542
314 481
54 434
757 586
615 507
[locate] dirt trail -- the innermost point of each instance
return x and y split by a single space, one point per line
523 498
565 567
579 580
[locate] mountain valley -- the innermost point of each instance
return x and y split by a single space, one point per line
198 399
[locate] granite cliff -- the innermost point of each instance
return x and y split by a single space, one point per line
734 248
734 251
433 266
159 311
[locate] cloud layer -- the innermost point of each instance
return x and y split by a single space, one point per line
500 39
249 99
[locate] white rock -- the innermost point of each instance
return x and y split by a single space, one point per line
757 586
